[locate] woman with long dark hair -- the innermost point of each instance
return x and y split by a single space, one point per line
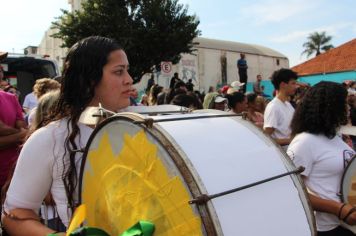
320 149
96 71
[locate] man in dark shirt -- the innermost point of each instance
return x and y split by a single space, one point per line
242 68
174 80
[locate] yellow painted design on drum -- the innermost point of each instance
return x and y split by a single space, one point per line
135 185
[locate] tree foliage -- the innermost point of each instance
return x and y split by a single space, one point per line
150 31
317 42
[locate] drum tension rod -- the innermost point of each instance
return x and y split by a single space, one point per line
149 121
204 198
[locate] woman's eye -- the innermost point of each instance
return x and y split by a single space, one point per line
119 72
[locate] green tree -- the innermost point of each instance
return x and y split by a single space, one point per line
317 42
151 31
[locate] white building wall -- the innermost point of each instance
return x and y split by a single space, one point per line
52 47
210 68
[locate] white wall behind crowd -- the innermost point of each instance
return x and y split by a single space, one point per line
215 63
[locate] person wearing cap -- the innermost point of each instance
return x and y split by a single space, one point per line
242 69
218 103
236 86
279 112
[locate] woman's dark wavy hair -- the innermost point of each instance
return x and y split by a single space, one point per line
322 110
83 70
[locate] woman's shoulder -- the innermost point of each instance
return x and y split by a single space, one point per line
304 139
49 133
57 132
307 136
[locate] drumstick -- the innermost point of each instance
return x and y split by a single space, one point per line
202 199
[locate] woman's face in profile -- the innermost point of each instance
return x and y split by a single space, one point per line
114 89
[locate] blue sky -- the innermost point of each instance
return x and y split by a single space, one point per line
280 25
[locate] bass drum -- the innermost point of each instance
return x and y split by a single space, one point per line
149 168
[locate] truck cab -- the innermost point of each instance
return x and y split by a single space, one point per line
22 71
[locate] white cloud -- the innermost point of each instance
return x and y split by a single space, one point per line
276 11
332 30
293 36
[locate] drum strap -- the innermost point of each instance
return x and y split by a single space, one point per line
202 199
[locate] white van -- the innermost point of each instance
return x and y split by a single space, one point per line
23 70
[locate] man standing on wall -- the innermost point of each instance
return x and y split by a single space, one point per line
242 68
279 112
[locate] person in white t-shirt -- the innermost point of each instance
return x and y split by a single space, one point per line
41 87
279 111
96 71
319 148
30 102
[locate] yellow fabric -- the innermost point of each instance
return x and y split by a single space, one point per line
77 219
135 185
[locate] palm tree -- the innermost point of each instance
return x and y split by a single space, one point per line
316 43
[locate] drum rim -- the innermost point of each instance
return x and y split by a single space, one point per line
210 222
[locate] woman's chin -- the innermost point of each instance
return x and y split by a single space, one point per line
124 104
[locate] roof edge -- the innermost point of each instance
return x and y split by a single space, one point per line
334 72
254 46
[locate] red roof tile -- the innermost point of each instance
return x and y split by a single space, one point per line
342 58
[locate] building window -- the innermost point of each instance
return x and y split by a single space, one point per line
277 62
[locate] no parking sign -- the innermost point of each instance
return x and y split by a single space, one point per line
166 68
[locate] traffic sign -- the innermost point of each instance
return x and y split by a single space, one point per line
166 67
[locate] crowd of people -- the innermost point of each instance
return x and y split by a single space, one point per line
39 141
